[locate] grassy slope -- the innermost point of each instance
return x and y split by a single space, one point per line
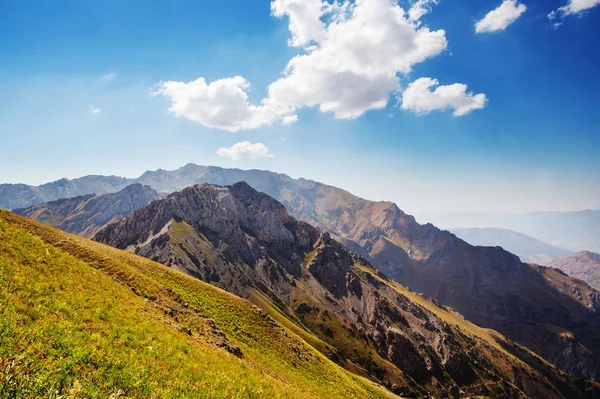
80 319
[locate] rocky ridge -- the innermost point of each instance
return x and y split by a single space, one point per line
247 243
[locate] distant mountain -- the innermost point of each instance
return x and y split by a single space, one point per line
14 196
573 231
523 245
84 215
246 242
583 265
541 308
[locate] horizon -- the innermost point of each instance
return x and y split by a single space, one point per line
445 108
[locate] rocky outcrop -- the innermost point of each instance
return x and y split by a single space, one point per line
247 243
84 215
584 265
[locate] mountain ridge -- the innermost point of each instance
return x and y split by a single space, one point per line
85 215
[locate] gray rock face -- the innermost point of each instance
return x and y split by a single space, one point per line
84 215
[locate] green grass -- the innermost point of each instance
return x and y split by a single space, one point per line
82 320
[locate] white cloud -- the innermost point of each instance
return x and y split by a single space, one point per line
420 8
572 7
421 99
289 120
222 104
245 150
95 110
108 77
351 56
305 19
498 19
352 64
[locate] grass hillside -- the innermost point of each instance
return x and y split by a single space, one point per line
79 319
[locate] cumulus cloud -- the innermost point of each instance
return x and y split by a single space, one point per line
572 7
351 64
420 98
351 55
304 19
245 150
222 104
95 110
498 19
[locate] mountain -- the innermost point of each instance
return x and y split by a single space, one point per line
84 215
540 308
584 265
245 241
526 247
574 231
80 320
14 196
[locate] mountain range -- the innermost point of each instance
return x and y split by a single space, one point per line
573 231
527 248
540 308
246 242
85 215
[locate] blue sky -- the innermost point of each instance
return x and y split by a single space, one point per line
76 79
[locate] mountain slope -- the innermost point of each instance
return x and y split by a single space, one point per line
84 215
491 287
246 242
517 243
80 319
583 265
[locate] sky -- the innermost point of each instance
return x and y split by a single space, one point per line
446 106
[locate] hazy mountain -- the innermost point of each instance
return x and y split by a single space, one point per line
541 308
528 248
246 242
574 231
14 196
583 265
84 215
